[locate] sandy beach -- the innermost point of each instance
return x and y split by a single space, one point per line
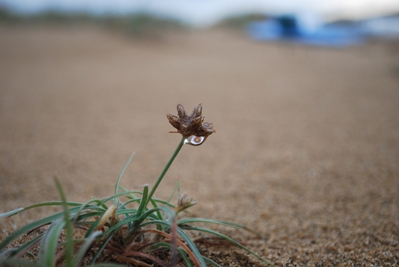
306 149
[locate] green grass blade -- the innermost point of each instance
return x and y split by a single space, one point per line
192 246
156 200
184 236
83 218
84 247
29 227
92 227
155 205
132 196
85 206
42 204
7 252
105 200
99 208
120 224
101 249
203 220
170 247
143 201
209 261
169 213
120 177
99 203
137 222
184 256
20 251
11 213
153 200
205 230
49 244
123 205
146 215
68 225
177 187
125 211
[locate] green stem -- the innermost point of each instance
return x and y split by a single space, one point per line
165 169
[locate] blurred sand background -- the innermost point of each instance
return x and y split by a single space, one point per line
306 150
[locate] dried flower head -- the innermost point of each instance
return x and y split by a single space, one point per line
192 125
184 202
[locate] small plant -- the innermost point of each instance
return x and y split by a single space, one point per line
129 228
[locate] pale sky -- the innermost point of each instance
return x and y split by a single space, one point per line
205 12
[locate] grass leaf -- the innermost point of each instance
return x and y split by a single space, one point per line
84 247
11 213
177 187
209 231
143 201
211 262
101 249
68 226
225 223
42 204
49 243
20 251
184 236
120 177
31 226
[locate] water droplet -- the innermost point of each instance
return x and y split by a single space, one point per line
195 140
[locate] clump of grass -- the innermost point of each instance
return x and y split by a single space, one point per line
5 15
142 25
130 227
48 17
136 25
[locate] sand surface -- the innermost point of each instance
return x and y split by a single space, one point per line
306 150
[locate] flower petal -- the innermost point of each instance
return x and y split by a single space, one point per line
181 111
174 120
197 111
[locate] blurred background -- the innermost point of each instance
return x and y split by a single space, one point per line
303 95
205 13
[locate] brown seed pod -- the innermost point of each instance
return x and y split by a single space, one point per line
192 125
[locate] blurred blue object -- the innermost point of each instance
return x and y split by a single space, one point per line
291 28
384 27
